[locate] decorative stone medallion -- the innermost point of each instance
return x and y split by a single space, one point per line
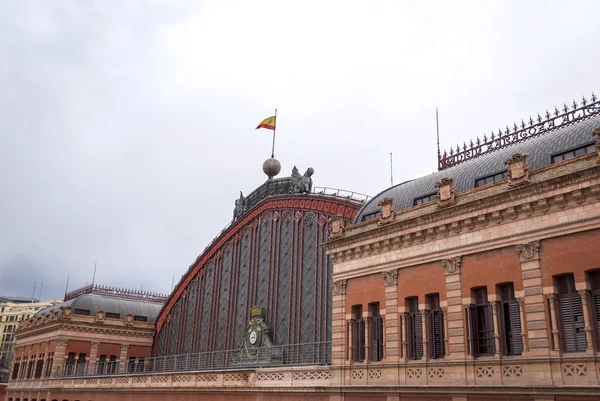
446 195
451 266
129 319
390 277
336 227
529 251
99 316
518 170
387 213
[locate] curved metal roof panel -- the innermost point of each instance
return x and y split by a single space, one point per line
540 149
94 302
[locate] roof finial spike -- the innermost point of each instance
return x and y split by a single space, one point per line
547 115
565 108
593 98
522 124
530 120
515 128
583 101
539 118
556 112
507 130
574 104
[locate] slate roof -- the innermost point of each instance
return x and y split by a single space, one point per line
539 149
17 300
95 302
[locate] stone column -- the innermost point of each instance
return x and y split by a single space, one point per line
470 345
446 345
338 323
425 326
586 321
456 336
554 321
93 357
391 324
522 316
537 329
495 305
404 318
59 356
123 358
350 332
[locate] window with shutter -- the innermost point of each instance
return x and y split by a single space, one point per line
358 334
595 298
482 324
376 333
436 327
570 311
510 320
415 329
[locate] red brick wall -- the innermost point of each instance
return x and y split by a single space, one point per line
2 392
138 351
573 253
78 347
490 268
420 281
363 290
109 349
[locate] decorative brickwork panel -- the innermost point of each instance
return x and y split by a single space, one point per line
182 379
312 375
512 371
92 382
203 335
435 373
357 374
159 379
225 295
570 370
484 371
269 376
140 380
189 319
414 373
104 380
207 378
375 374
122 380
236 377
242 308
308 278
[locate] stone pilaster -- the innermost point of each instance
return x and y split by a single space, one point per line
495 305
554 321
391 324
425 333
351 323
446 345
338 323
59 356
93 354
586 321
404 323
456 329
537 329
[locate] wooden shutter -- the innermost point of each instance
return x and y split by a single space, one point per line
436 334
473 330
376 346
572 324
514 339
361 340
596 307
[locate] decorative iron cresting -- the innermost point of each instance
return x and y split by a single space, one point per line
518 133
124 293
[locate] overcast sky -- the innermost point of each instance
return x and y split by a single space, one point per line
127 127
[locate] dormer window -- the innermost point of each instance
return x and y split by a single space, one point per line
425 199
490 179
572 153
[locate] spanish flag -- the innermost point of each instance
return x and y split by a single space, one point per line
268 123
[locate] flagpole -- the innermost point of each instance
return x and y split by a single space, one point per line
274 127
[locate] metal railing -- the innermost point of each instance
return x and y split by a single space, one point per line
341 193
277 355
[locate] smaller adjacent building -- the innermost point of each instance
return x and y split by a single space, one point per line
95 327
12 311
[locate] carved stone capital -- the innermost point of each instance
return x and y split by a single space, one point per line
452 265
521 301
529 251
61 342
551 297
339 287
390 277
336 227
387 214
583 293
446 195
95 344
124 348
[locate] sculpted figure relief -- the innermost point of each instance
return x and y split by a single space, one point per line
301 183
239 207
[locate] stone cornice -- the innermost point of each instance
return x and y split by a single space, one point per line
87 327
402 235
475 200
